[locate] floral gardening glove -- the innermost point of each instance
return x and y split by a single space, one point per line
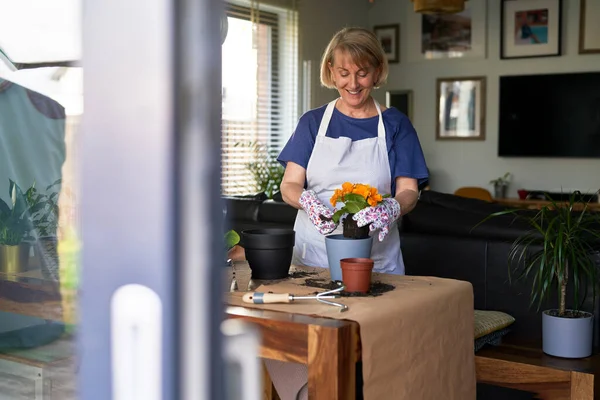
382 216
315 209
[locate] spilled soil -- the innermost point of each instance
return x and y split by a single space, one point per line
377 288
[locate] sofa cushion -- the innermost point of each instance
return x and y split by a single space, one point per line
241 208
490 327
19 331
493 338
487 322
457 203
277 212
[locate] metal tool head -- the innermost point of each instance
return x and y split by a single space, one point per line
342 307
337 290
320 298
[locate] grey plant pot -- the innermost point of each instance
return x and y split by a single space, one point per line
500 191
567 337
339 247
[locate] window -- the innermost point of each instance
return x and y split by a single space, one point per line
259 89
41 104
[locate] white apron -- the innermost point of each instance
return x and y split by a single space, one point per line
333 162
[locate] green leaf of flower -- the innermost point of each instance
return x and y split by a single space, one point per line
338 214
231 239
354 207
355 198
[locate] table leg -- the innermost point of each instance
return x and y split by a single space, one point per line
331 363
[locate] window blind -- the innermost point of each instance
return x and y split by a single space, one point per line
260 90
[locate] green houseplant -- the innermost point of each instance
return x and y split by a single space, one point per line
266 171
16 225
557 251
45 227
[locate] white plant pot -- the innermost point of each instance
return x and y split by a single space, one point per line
567 337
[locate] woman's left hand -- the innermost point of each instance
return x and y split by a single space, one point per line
382 216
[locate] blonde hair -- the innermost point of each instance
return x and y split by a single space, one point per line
364 49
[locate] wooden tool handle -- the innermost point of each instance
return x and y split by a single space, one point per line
264 298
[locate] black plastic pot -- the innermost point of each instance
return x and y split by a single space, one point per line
268 251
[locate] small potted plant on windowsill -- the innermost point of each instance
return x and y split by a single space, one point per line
558 250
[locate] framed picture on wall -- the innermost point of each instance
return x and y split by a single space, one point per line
589 28
460 108
530 28
400 99
443 36
389 36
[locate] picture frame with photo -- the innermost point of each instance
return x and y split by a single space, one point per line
530 28
460 109
402 100
444 36
589 29
389 37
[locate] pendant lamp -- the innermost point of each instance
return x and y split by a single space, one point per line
438 6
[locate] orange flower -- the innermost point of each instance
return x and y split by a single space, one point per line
347 187
374 200
336 197
362 190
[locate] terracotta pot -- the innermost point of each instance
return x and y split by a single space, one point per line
339 247
356 274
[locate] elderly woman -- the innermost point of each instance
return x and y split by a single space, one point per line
352 139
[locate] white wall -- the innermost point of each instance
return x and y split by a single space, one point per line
454 164
319 21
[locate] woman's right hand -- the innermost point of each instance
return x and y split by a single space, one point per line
316 210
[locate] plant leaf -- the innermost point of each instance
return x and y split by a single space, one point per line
231 239
338 214
353 207
355 198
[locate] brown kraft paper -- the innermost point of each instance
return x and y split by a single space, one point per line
417 340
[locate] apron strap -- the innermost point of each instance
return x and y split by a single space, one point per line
380 127
326 118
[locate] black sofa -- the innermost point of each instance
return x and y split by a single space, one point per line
440 238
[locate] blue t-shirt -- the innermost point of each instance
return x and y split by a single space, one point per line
404 150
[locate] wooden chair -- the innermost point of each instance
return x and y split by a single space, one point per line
474 193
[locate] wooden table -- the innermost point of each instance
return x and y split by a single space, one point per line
330 348
529 369
330 344
537 204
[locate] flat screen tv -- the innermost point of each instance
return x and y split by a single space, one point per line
550 115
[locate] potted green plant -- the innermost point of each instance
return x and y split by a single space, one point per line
266 171
45 227
16 226
355 197
501 185
559 249
354 242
